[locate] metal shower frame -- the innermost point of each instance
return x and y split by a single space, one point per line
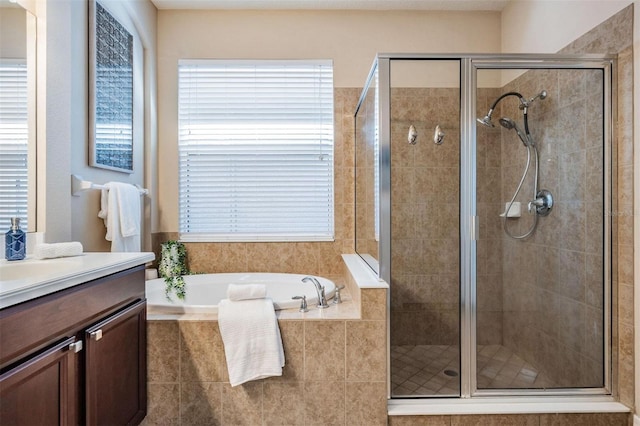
469 65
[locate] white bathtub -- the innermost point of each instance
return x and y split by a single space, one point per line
203 292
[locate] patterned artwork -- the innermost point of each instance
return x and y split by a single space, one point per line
112 101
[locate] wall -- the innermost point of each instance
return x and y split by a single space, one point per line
553 281
13 30
424 224
615 36
351 39
62 117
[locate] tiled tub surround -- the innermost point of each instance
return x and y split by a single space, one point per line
335 372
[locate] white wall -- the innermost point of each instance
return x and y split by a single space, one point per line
63 119
350 38
546 26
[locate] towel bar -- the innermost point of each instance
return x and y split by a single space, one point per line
79 185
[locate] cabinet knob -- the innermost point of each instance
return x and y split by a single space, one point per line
96 335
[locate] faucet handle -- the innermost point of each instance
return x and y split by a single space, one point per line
336 296
303 303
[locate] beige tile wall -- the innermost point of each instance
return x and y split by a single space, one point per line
425 216
615 36
553 294
553 309
365 129
489 265
314 258
335 373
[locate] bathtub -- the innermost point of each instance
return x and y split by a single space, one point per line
204 291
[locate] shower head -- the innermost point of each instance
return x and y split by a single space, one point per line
486 120
509 124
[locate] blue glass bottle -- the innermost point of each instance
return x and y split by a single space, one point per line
15 241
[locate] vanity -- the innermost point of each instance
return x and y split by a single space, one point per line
73 340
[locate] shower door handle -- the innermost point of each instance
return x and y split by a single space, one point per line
474 228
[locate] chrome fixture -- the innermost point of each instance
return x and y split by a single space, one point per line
438 135
336 296
509 124
413 134
542 202
303 303
322 300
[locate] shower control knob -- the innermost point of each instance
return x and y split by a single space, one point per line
542 204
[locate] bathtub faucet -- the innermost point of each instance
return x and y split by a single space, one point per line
322 300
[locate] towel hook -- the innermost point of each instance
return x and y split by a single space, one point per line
438 135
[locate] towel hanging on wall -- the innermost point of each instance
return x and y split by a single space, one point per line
120 210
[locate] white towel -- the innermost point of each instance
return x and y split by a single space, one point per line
252 341
50 251
237 292
120 209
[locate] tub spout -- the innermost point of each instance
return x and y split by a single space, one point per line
322 300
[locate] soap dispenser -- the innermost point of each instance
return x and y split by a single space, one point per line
15 241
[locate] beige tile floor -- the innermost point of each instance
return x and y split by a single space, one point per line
434 370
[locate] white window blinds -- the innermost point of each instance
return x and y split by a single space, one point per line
13 142
256 150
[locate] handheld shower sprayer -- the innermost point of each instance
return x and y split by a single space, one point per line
509 124
542 200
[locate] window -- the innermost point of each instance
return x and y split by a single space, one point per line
14 137
256 150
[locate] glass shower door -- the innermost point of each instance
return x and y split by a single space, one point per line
425 235
540 265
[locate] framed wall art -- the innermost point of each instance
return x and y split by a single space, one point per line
111 91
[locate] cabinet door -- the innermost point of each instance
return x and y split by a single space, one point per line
42 390
116 368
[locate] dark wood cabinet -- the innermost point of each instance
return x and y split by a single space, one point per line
115 365
43 389
77 356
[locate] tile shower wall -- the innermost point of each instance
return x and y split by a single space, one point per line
553 281
424 223
489 268
553 295
615 36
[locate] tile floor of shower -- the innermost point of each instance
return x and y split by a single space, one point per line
433 370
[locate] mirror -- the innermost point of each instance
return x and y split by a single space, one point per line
17 115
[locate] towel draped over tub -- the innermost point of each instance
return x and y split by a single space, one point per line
251 337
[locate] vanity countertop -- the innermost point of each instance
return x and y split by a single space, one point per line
23 280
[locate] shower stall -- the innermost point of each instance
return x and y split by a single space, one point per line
483 197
